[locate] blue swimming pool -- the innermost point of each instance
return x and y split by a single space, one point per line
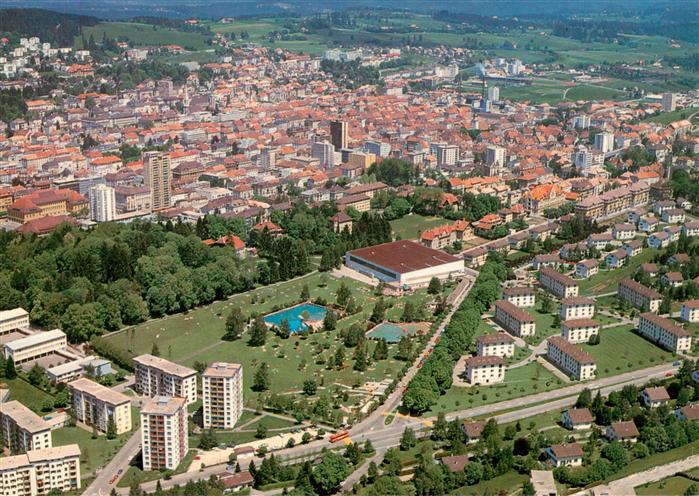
392 333
295 316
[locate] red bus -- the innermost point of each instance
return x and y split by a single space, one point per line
339 436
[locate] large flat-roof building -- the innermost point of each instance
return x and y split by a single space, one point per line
664 332
22 429
17 318
222 389
37 472
164 440
571 359
156 376
35 346
94 404
404 263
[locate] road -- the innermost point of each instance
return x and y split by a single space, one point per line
100 486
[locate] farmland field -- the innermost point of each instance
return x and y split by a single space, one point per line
145 34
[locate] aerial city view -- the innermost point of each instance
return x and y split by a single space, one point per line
321 247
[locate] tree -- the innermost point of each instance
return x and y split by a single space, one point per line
329 473
380 350
339 358
692 490
305 293
617 454
261 431
111 428
305 438
353 453
379 312
10 372
391 462
258 333
208 440
360 358
155 350
584 399
261 380
343 295
405 349
409 314
439 428
330 321
408 439
36 375
546 303
528 489
310 387
435 287
235 325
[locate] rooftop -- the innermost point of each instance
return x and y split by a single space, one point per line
403 256
164 365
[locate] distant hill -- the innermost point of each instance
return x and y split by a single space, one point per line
54 27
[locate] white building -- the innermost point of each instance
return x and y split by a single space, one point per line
102 203
513 319
604 142
579 330
17 318
325 152
570 359
22 429
559 284
690 311
164 439
495 155
484 370
669 101
639 296
95 404
520 296
579 307
35 346
222 389
37 472
497 344
494 93
664 332
156 376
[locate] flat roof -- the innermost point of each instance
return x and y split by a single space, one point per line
404 256
166 366
35 339
24 417
163 405
13 314
99 391
222 369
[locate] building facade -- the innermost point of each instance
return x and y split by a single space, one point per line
156 376
37 472
222 390
571 359
95 404
664 332
164 440
22 429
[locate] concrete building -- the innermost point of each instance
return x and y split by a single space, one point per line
669 101
484 370
513 319
164 439
404 263
495 155
325 152
222 390
37 472
22 429
497 344
570 359
94 404
156 376
559 284
579 330
10 320
604 142
35 346
156 175
639 296
578 307
586 268
70 371
102 203
339 134
690 311
445 154
522 297
664 332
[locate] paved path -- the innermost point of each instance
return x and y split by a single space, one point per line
100 486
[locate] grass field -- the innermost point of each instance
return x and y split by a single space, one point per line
657 460
411 226
503 484
607 279
621 350
30 396
195 336
670 485
134 474
668 117
544 321
145 34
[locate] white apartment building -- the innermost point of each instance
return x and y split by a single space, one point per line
164 439
156 376
559 284
521 297
35 346
22 429
102 203
639 296
37 472
571 359
579 330
604 142
664 332
17 318
222 390
94 404
485 370
513 319
498 344
690 311
495 155
579 307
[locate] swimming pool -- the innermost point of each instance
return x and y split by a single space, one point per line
295 316
392 333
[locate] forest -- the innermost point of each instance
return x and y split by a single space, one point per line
53 27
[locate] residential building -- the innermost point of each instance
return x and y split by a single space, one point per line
38 472
102 203
586 268
495 155
639 296
472 430
35 346
672 279
566 455
339 134
559 284
157 176
624 231
164 438
604 142
22 429
616 259
579 330
520 296
577 419
653 397
570 359
66 372
513 319
688 413
690 311
95 404
579 307
46 203
633 248
669 102
10 320
673 216
222 391
325 152
483 370
664 332
496 344
622 431
476 257
156 376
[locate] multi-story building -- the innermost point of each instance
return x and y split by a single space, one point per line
22 429
559 284
520 296
579 307
586 268
339 134
613 201
690 311
570 359
579 330
485 370
156 376
46 203
156 175
639 296
604 142
445 154
102 203
495 155
17 318
513 319
38 472
35 346
497 344
325 152
669 101
222 391
164 440
664 332
94 404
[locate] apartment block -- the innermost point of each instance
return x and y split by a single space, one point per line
164 440
222 385
521 297
571 359
639 296
559 284
10 320
579 307
156 376
513 319
690 311
579 330
94 404
498 344
38 472
485 370
35 346
664 332
22 429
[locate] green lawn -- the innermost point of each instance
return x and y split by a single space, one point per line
670 486
30 396
607 280
271 423
411 226
657 460
504 484
134 474
621 350
587 92
544 321
668 117
145 34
